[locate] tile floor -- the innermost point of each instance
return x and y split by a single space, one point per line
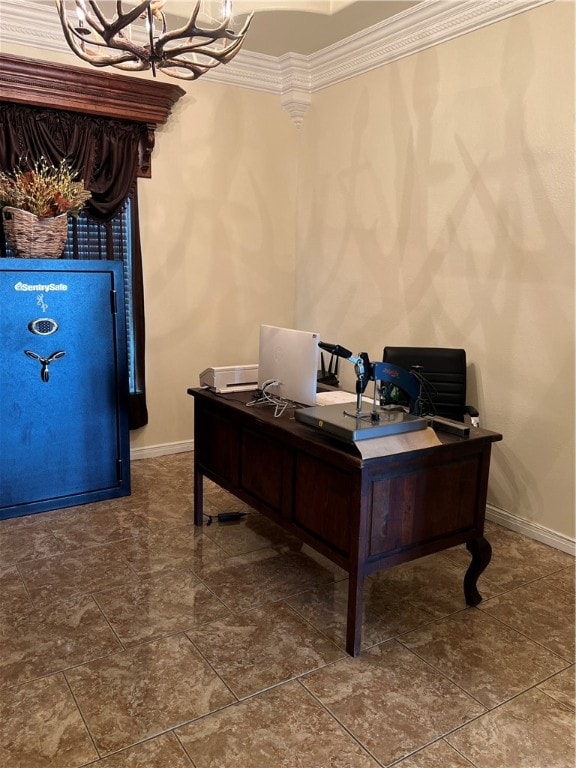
132 640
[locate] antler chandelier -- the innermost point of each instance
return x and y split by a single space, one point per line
137 38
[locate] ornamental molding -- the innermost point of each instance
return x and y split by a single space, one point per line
294 77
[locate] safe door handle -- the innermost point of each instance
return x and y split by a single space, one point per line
44 362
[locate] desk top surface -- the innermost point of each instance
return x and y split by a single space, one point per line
286 423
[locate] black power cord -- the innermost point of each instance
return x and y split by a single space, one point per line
225 517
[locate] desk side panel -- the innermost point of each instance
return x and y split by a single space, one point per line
323 500
216 441
263 469
431 503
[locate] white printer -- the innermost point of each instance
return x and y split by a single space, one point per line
230 378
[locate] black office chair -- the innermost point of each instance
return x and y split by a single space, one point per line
443 376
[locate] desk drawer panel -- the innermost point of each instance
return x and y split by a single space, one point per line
418 507
261 469
217 450
322 501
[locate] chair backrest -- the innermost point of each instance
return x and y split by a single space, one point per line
444 374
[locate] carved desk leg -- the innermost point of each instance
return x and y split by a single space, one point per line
481 552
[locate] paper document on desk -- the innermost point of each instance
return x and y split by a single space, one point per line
391 444
337 396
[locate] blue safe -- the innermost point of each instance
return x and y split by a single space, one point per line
64 436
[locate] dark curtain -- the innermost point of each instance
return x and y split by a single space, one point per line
104 152
137 409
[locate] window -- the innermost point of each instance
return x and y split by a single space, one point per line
89 239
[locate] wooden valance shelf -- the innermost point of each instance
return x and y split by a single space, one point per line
76 89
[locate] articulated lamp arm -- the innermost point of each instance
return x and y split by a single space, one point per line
367 371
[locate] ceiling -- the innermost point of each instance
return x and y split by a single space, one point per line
278 26
279 31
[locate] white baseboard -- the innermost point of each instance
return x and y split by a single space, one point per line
153 451
532 530
496 515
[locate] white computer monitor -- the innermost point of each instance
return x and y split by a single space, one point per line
290 357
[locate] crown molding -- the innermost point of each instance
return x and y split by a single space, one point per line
430 23
294 77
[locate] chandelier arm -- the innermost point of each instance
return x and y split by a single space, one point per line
191 30
74 41
77 42
137 62
109 29
222 56
195 68
130 50
133 65
191 71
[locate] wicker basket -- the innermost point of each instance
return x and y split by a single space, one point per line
30 237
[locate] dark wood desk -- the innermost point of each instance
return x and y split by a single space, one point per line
365 515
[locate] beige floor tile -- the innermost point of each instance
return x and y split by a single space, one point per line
13 594
391 701
169 548
251 533
46 640
162 752
22 543
161 508
437 755
385 616
431 584
246 581
134 695
542 611
564 579
13 523
169 515
86 529
69 515
336 572
281 728
156 578
262 647
75 573
485 657
158 606
41 727
218 500
531 731
562 687
182 461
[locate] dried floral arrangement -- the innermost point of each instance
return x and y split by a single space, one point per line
45 190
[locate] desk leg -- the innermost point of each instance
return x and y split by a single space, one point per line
355 608
481 552
198 497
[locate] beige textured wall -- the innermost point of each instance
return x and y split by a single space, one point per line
436 207
429 202
218 239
